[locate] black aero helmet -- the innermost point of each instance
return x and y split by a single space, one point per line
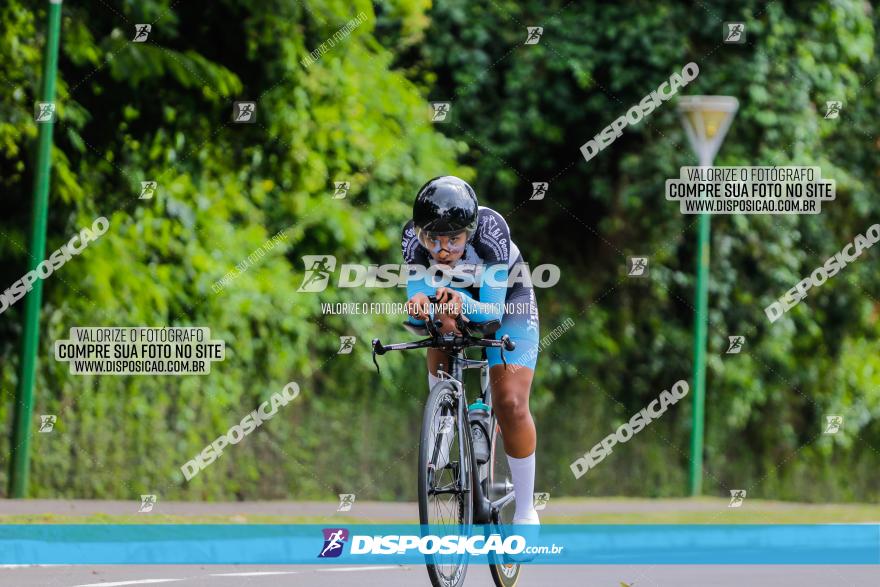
444 206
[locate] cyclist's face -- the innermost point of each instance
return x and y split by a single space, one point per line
447 249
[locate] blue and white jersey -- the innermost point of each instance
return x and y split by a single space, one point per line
491 248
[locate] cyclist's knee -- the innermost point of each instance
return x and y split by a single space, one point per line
511 401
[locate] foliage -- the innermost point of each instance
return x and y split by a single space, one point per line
632 338
161 110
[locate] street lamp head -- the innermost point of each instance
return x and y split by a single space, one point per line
706 120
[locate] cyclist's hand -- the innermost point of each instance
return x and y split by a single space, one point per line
451 300
418 307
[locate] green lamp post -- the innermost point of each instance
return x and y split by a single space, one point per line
706 120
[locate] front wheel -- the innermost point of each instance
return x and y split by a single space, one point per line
445 507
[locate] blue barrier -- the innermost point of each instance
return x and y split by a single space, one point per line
832 544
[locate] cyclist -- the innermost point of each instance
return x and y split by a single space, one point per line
451 232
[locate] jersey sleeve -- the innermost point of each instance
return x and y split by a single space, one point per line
413 252
492 243
493 292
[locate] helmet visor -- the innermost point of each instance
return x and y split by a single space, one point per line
451 241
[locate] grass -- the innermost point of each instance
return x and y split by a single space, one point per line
598 511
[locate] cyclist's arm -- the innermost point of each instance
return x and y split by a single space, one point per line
493 246
492 293
414 286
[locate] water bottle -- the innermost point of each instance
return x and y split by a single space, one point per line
478 418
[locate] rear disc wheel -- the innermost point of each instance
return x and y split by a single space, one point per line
504 574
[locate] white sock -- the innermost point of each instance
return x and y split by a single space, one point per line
432 381
523 473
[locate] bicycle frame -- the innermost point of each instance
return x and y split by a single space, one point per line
467 483
485 511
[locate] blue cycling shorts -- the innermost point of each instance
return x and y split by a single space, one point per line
520 323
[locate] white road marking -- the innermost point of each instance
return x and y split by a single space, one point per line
138 582
348 569
255 574
28 566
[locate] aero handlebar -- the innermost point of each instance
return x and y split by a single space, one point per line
450 341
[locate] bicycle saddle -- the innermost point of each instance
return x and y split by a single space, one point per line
483 329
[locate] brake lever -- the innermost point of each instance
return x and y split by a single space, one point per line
375 362
505 341
459 323
432 327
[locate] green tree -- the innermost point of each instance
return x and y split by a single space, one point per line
526 109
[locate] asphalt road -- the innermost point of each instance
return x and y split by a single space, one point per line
414 576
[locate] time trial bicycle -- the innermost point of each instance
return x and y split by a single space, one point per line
464 477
